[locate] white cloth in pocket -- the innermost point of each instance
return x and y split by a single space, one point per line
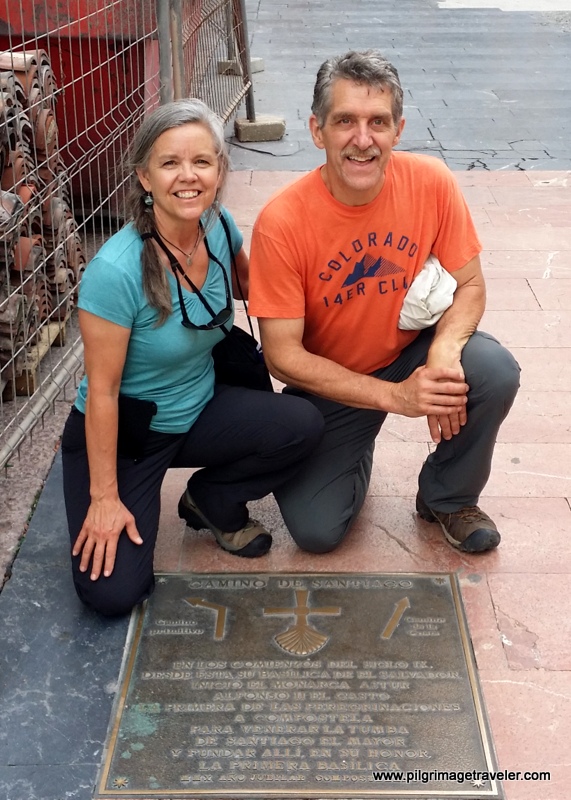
430 294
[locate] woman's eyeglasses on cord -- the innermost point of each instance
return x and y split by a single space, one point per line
218 320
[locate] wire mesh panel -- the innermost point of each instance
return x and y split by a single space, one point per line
213 53
75 78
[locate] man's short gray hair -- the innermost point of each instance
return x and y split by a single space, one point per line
367 67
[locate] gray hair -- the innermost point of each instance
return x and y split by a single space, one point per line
367 67
160 120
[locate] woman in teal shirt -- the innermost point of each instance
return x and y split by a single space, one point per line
148 336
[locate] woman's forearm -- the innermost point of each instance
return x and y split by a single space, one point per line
101 425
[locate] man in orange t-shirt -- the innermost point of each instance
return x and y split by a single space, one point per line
333 258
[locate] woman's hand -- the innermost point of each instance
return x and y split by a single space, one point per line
97 541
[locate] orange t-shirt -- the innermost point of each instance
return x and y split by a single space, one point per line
346 269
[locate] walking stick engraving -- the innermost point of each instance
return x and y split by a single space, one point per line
392 624
220 614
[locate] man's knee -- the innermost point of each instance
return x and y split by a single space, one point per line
491 369
507 380
314 534
319 515
319 541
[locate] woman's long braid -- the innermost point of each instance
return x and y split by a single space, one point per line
155 283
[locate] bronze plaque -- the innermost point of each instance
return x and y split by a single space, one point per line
320 685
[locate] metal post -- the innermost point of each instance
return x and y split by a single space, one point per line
230 49
244 49
177 49
165 55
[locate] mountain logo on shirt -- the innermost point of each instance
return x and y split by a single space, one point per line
370 267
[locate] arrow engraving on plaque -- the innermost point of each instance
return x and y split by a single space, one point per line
392 624
301 639
220 614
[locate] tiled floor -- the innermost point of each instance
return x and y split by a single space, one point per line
518 598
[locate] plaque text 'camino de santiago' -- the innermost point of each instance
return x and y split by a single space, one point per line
300 686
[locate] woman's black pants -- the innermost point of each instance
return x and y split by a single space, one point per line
247 443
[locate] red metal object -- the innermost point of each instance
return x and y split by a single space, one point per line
92 18
105 64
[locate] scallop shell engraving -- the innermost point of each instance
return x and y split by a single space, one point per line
301 640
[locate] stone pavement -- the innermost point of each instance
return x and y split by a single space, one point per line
484 88
59 664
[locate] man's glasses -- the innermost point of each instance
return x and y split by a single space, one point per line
218 320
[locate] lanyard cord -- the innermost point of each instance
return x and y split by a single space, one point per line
176 268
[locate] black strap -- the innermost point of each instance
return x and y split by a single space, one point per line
238 284
176 268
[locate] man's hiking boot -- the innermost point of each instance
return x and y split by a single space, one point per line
469 529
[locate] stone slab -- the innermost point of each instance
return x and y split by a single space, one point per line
266 128
233 67
46 782
299 685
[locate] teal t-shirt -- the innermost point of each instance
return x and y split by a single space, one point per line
169 364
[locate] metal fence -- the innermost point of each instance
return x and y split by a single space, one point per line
211 58
74 84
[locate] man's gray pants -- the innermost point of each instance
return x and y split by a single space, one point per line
320 504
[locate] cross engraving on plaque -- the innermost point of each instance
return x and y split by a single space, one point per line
220 614
301 639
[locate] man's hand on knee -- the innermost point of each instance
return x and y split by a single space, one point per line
432 392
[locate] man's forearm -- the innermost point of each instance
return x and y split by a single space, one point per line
459 321
325 378
424 392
